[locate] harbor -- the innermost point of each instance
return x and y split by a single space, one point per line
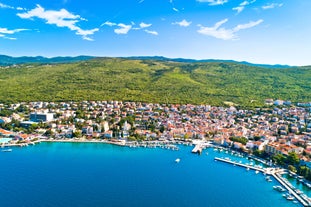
276 173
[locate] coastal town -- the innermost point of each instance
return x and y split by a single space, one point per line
279 129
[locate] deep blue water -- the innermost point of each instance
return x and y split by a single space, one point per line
91 175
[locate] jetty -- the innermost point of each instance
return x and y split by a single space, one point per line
198 148
200 145
226 160
276 173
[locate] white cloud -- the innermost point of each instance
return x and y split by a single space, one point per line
123 29
242 6
226 34
183 23
5 31
214 2
144 25
4 6
20 9
151 32
110 24
247 25
239 9
271 6
61 18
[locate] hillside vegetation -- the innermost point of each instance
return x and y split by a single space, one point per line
154 81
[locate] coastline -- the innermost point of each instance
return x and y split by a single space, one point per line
305 201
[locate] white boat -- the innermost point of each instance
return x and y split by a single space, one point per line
177 160
256 171
268 178
7 150
290 198
279 188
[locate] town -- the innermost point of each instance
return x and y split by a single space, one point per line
276 131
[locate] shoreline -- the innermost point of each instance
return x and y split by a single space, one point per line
305 201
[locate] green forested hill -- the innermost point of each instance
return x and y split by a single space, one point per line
154 81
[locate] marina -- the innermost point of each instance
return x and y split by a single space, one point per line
276 173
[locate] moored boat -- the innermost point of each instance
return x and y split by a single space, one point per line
290 198
279 188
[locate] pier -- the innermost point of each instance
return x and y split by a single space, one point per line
197 149
243 165
304 200
200 146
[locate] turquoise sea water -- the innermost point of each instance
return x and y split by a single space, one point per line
80 174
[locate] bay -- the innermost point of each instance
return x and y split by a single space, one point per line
96 174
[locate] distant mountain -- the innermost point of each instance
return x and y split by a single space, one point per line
8 60
183 60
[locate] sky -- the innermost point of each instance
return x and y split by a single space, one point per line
257 31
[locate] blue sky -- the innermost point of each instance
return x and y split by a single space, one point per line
258 31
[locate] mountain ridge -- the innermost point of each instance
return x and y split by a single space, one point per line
6 60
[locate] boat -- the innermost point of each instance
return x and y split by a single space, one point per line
247 168
177 160
299 192
256 171
290 198
268 178
7 150
279 188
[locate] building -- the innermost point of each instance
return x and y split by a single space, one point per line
41 117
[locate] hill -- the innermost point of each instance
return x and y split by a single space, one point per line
152 80
8 60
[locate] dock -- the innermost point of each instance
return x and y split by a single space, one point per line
243 165
303 200
275 172
198 148
200 145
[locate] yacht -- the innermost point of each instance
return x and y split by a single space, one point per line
268 179
7 150
290 198
279 188
177 160
256 171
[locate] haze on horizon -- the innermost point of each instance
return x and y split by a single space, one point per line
263 32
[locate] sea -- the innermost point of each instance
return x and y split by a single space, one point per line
104 175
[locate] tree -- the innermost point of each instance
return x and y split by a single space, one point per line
292 168
292 158
279 159
77 133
